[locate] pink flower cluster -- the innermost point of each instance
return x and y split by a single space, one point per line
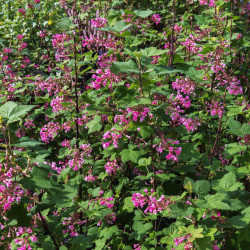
153 204
110 219
175 105
86 149
51 85
105 60
139 112
234 87
57 104
114 139
109 43
107 202
90 178
188 245
22 11
111 167
77 160
29 123
10 191
190 124
167 144
71 229
191 44
156 18
103 77
177 28
211 3
22 46
24 241
42 33
184 85
99 22
127 18
216 108
58 44
49 131
19 37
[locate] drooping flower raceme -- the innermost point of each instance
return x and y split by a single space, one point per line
153 205
114 139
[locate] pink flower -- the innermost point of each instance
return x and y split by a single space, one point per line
114 139
33 238
156 19
111 167
90 178
49 131
239 36
99 22
19 37
22 11
22 46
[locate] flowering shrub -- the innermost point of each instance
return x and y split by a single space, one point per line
124 125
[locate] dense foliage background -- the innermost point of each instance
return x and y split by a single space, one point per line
124 124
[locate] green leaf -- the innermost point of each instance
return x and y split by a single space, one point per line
19 112
196 234
179 210
113 16
143 13
238 222
63 248
125 67
162 70
189 151
245 129
204 243
7 108
202 187
125 33
234 148
39 178
100 243
145 161
128 205
152 51
94 125
19 213
146 131
235 127
216 202
235 110
132 42
65 23
142 228
107 233
26 142
94 191
202 19
246 214
131 155
228 182
235 204
13 112
118 27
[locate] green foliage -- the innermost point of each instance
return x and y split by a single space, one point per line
124 125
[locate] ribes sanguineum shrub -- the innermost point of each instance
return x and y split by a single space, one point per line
124 125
